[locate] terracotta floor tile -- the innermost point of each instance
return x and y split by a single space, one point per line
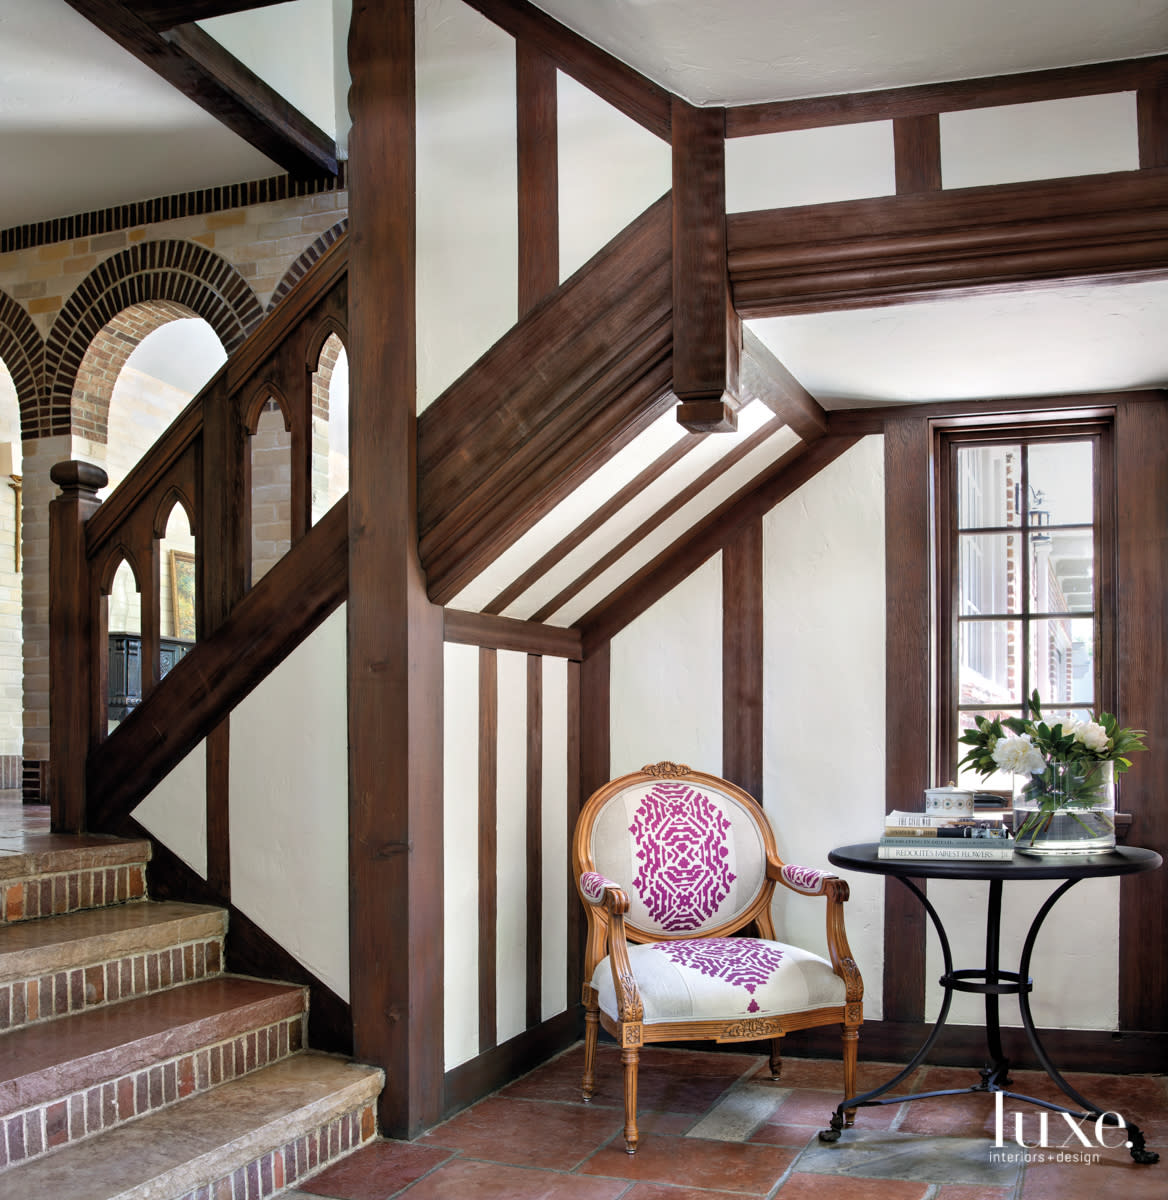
969 1191
831 1187
965 1116
374 1172
1114 1177
808 1106
526 1133
828 1075
664 1191
465 1180
794 1136
694 1162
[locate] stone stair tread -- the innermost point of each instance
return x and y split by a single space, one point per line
199 1140
42 1062
49 853
50 944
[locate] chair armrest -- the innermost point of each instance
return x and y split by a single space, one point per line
808 881
596 889
600 892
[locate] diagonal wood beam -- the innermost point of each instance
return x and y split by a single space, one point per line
166 14
764 378
218 82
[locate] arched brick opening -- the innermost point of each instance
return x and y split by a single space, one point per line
199 282
103 362
299 268
22 350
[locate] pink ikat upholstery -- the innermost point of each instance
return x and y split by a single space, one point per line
715 978
689 857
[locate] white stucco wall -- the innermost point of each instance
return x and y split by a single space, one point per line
823 691
289 780
810 166
175 812
467 237
1050 139
610 168
666 679
460 853
556 836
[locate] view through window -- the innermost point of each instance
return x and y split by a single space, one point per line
1022 554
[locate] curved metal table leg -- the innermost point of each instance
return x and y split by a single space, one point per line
1135 1141
832 1133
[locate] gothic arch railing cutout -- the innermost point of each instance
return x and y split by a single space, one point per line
184 273
266 397
162 517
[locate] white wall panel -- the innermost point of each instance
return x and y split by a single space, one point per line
289 779
556 835
467 237
611 169
511 814
823 688
1049 139
460 853
1075 966
666 673
175 812
810 166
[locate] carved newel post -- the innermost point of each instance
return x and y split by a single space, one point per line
74 629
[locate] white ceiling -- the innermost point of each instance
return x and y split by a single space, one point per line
84 125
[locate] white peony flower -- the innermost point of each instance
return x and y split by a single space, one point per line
1092 735
1016 753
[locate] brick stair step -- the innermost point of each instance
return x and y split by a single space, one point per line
69 1078
58 965
250 1137
46 874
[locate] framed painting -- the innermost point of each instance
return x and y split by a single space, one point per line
182 594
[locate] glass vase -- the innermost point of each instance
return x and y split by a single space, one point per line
1067 808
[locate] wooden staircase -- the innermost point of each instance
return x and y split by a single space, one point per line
131 1066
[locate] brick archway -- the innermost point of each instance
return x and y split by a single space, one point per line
22 350
183 274
299 268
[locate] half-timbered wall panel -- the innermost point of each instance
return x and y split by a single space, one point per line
667 679
175 812
611 169
289 784
823 688
506 791
467 240
810 166
1050 139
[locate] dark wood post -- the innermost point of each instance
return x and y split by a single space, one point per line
395 633
73 648
707 335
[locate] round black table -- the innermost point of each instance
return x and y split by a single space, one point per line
991 980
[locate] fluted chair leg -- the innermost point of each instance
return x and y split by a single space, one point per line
851 1046
630 1057
591 1034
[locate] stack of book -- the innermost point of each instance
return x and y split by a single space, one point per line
923 835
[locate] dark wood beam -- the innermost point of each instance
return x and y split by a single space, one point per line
859 253
1152 123
505 633
218 82
707 335
625 89
395 634
742 658
763 377
537 176
892 103
705 539
166 14
916 145
505 443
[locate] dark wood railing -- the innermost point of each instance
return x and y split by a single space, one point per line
203 463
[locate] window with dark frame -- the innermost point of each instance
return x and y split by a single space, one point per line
1026 539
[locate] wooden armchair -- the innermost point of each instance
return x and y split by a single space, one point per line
670 863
